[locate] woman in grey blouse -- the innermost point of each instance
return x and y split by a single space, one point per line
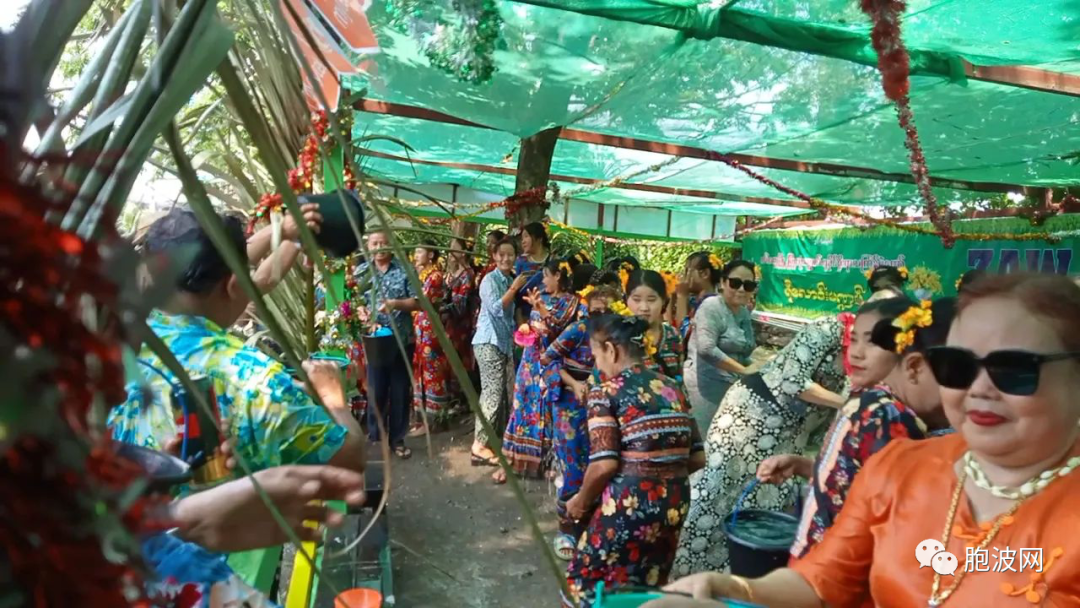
493 346
720 342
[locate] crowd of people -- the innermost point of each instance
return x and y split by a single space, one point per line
643 402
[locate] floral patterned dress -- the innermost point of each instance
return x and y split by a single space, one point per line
693 303
184 575
760 416
431 371
668 357
528 436
571 444
459 315
865 426
641 419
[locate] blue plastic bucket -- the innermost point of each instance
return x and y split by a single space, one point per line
758 541
633 597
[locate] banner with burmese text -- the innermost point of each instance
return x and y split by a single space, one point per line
809 273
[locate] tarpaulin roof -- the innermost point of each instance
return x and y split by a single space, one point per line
788 85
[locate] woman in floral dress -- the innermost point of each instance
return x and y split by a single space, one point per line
528 436
571 355
646 297
431 371
763 414
459 311
643 445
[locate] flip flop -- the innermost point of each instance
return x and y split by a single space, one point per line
565 547
403 452
482 461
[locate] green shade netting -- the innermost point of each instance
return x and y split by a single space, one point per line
652 82
446 143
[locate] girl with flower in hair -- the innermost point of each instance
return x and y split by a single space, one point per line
889 343
431 369
643 445
527 440
647 297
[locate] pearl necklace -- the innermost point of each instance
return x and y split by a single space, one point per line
1028 488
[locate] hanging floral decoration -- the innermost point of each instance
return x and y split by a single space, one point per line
460 41
895 66
824 207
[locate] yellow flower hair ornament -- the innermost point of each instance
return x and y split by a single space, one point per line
565 267
914 318
584 293
869 273
671 282
619 307
716 262
903 272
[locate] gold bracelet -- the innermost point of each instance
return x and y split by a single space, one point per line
745 586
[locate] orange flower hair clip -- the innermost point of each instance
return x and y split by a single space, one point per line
914 318
903 272
715 261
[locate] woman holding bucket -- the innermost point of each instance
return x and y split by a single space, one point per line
762 414
888 353
1002 486
643 444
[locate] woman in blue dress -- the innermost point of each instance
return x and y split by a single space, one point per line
528 436
535 254
571 356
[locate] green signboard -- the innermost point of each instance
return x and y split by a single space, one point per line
809 273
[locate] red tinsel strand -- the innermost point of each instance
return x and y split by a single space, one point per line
895 66
48 507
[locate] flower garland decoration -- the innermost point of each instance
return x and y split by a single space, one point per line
301 178
914 318
460 42
895 66
649 344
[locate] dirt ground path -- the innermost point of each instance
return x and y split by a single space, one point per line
451 515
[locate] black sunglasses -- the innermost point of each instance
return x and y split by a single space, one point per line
1013 372
738 284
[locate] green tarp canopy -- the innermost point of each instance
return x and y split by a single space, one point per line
781 83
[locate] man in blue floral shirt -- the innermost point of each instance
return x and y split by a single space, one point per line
392 300
270 418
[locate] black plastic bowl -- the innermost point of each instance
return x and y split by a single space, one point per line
337 236
164 471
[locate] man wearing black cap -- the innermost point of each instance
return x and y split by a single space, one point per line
271 420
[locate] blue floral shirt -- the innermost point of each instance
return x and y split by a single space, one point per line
390 285
271 419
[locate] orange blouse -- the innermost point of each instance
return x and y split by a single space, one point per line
901 498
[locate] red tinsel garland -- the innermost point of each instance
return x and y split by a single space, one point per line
895 66
55 510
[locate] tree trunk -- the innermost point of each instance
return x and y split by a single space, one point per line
533 171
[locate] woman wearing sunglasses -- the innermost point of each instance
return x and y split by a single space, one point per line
719 342
1004 485
889 342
